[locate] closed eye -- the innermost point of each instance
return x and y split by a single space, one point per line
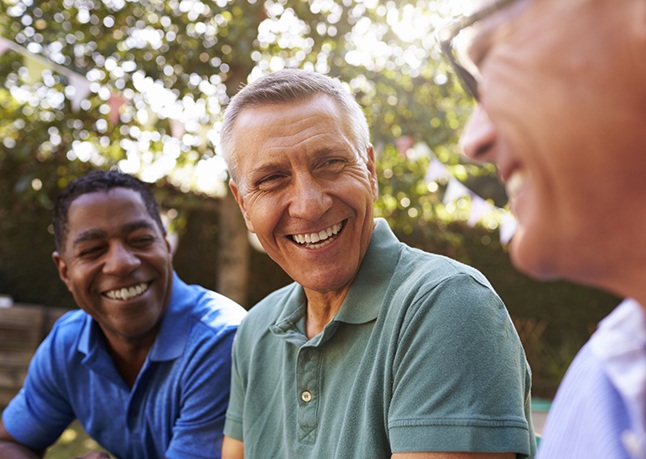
333 165
89 252
143 241
270 182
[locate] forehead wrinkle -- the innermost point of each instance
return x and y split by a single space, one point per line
300 140
262 118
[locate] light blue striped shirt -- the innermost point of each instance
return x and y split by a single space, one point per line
600 409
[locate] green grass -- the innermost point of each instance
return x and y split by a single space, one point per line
74 442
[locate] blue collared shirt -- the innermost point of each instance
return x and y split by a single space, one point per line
600 408
177 405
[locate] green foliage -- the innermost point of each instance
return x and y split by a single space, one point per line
159 73
74 442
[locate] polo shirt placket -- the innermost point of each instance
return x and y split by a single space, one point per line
308 374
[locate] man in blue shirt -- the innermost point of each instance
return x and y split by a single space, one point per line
145 364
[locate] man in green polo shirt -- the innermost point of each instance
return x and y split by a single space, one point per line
377 350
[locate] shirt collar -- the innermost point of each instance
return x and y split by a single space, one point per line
620 344
176 324
365 296
372 282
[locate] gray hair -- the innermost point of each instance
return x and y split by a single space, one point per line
292 85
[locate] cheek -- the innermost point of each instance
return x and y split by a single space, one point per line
76 276
262 214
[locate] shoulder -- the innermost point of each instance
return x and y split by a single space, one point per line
425 280
585 380
57 357
210 309
67 329
432 269
71 319
588 415
436 302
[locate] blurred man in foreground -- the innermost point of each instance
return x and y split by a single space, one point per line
561 87
145 364
377 350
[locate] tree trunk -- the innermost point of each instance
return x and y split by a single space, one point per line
234 247
233 252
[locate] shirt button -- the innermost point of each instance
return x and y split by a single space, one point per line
306 396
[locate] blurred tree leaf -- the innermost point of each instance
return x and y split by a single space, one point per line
157 74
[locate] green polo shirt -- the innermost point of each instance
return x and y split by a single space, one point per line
422 356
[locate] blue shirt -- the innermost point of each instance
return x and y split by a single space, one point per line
600 408
177 405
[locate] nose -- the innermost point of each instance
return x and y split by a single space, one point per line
479 136
120 260
310 198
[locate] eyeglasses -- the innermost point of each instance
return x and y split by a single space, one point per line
464 67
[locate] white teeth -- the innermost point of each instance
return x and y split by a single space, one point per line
514 183
313 238
127 293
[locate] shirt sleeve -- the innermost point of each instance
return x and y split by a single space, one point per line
40 412
198 432
461 381
233 425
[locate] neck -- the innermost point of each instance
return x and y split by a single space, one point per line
622 272
129 366
129 356
321 309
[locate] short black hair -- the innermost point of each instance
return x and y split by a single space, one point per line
99 180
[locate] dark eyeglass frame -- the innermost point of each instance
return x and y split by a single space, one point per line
447 34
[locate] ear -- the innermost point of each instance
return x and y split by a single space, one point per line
61 265
241 203
370 153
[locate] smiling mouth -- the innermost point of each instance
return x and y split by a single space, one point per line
319 239
127 293
514 183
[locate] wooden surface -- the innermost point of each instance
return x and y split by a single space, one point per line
22 328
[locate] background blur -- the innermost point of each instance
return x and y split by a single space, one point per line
141 85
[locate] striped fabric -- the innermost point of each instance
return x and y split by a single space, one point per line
599 410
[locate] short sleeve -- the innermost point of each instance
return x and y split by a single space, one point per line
40 412
461 381
198 432
233 425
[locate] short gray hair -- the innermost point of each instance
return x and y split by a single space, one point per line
292 85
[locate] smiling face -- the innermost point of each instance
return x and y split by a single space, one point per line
117 264
305 190
561 105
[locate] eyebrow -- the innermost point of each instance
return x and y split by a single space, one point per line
265 168
94 234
